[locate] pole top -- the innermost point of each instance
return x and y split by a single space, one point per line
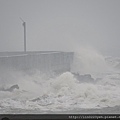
22 20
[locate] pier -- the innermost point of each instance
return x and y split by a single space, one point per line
42 60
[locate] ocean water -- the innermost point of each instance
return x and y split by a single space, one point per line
43 92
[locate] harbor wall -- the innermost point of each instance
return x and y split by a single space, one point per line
43 61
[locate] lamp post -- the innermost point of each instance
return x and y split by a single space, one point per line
24 25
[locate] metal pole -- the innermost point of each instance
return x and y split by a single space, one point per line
24 24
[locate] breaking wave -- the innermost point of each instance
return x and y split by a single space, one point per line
91 83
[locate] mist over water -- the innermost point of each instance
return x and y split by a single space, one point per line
89 61
63 92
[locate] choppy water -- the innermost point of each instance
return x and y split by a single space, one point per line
40 92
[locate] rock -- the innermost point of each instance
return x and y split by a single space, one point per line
12 88
83 78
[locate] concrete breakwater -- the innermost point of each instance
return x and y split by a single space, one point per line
43 61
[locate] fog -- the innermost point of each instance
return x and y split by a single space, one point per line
60 25
84 77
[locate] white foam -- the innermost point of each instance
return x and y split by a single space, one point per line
63 92
89 61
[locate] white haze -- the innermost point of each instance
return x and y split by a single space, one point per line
57 25
87 60
88 28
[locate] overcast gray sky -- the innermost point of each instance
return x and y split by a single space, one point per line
61 25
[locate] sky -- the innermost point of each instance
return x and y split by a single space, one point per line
61 25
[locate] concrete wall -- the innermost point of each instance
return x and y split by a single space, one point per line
44 61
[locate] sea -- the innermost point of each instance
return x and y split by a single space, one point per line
96 90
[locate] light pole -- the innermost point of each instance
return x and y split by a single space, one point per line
24 25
